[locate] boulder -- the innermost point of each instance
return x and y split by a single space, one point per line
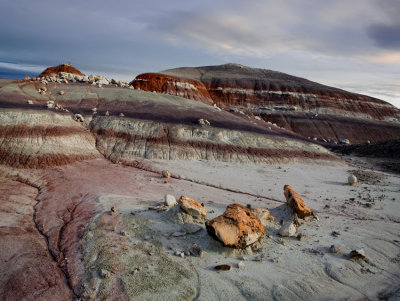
79 118
238 227
166 173
295 201
192 207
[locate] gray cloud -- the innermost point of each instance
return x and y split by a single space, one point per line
309 38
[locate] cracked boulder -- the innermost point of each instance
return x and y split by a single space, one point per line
238 227
295 201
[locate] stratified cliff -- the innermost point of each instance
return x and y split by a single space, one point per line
302 106
38 129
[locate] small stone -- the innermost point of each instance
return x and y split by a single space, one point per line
30 102
190 228
276 259
123 233
182 255
335 233
357 254
166 173
105 274
169 200
61 92
79 118
113 210
335 249
288 229
223 267
352 180
178 234
196 250
107 113
121 115
241 265
260 257
302 237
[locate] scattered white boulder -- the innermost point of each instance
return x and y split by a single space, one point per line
30 102
169 200
203 122
352 180
345 141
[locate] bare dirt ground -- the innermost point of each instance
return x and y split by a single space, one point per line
136 253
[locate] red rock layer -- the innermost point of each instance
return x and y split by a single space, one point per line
60 68
161 83
28 271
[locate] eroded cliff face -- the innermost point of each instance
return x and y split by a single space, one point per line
302 106
33 139
126 125
129 139
160 83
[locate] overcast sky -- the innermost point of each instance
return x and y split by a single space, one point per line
353 45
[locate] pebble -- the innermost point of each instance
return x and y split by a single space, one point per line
302 237
30 102
357 254
335 249
223 267
288 229
352 180
276 259
105 274
241 265
166 173
196 251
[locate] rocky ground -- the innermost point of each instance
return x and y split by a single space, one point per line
110 193
94 230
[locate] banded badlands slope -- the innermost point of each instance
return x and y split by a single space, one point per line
82 214
299 105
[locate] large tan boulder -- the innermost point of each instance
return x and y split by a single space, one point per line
192 207
295 201
238 227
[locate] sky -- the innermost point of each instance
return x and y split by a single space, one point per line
354 45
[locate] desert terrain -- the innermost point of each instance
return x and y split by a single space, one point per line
123 191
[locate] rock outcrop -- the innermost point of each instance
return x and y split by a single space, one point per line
295 201
238 227
313 110
66 68
160 83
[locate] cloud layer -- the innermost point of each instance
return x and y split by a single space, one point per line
347 43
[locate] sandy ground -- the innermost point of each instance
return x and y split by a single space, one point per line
138 247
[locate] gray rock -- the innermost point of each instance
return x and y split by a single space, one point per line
288 229
169 200
196 250
352 180
190 228
241 265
